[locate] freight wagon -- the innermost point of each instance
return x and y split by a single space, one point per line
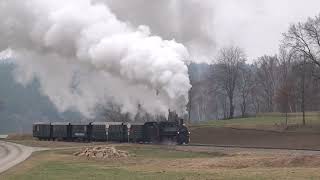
60 131
42 131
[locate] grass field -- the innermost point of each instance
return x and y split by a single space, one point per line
266 121
61 164
155 162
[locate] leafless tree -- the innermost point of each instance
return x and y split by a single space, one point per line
267 74
201 99
304 38
285 93
229 62
245 87
305 85
282 98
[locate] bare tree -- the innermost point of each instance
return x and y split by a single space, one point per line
256 99
201 99
304 38
217 93
303 92
305 85
199 94
245 87
229 62
267 78
282 97
285 92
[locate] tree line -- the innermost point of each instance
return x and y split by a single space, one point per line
284 82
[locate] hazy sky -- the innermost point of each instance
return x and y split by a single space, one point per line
206 25
257 25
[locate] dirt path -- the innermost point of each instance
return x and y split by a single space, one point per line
12 154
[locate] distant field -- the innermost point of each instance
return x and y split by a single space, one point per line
163 163
266 121
264 130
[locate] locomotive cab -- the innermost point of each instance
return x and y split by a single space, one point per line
183 135
174 131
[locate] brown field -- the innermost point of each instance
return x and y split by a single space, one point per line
255 138
264 130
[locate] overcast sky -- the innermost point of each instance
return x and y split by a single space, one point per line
257 25
206 25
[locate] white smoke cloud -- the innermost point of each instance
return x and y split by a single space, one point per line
188 21
5 54
83 55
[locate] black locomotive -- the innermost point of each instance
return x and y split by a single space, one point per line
149 132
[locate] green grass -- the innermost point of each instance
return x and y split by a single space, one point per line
266 120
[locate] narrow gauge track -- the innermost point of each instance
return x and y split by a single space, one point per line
252 147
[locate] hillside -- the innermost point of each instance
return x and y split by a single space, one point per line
20 106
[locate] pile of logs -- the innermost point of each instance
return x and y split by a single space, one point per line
102 152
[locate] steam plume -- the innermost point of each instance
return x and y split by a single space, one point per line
83 55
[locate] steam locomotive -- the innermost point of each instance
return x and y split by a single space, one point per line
149 132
